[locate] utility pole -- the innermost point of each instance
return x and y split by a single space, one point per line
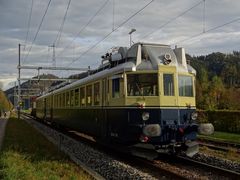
14 95
19 80
53 57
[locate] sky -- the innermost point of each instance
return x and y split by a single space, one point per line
92 27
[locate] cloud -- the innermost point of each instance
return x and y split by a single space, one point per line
14 16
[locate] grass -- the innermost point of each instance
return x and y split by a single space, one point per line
232 154
26 154
223 136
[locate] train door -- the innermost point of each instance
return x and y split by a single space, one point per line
168 87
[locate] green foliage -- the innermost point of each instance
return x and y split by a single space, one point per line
5 105
26 154
222 120
218 80
222 136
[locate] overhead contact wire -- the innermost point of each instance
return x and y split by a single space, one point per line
173 19
105 37
83 28
39 27
57 40
29 22
207 31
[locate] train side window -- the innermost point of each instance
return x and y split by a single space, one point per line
168 84
76 97
63 100
116 88
97 93
56 100
72 98
59 100
89 95
82 96
68 99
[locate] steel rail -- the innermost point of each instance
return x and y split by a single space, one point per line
221 171
219 143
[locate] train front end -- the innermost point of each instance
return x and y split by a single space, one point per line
163 91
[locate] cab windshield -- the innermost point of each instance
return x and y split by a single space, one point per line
185 85
142 84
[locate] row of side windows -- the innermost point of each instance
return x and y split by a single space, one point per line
137 84
85 96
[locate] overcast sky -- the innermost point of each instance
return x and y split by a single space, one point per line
162 21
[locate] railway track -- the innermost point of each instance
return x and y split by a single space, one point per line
208 167
114 159
157 169
179 167
219 145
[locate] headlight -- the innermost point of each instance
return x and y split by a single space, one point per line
152 130
194 116
145 116
206 129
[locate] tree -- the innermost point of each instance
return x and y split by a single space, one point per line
202 87
215 94
230 74
1 85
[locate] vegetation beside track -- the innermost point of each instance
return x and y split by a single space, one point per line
231 155
222 137
26 154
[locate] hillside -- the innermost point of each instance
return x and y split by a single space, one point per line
218 80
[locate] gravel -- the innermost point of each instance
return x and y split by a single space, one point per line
215 161
102 166
98 164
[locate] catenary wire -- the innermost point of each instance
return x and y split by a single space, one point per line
28 25
57 40
83 28
171 20
39 27
105 37
207 31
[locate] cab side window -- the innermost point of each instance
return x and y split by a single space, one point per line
168 84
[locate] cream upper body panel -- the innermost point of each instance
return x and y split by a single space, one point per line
170 65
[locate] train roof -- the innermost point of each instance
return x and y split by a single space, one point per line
126 67
125 59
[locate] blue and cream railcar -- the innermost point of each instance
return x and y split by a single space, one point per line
141 96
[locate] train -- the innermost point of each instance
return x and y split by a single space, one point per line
140 98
